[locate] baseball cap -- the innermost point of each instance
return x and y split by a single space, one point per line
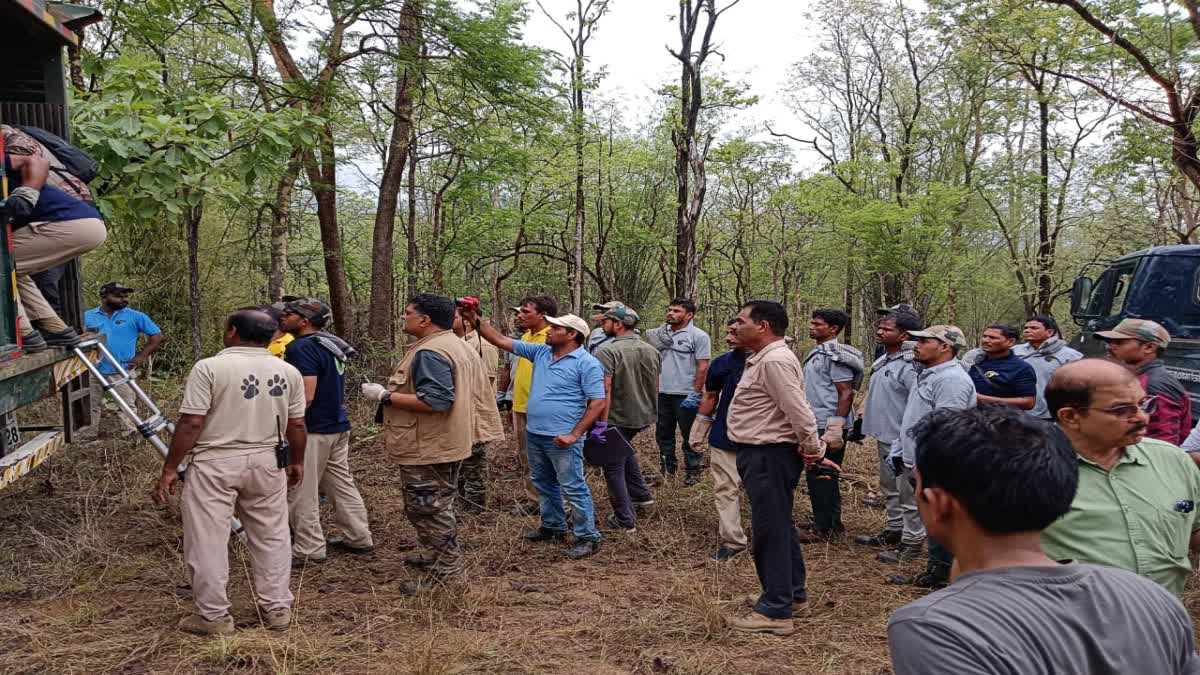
312 309
115 287
608 305
902 308
570 321
624 314
1138 329
951 335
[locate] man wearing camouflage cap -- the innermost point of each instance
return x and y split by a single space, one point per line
598 338
1139 345
941 384
327 461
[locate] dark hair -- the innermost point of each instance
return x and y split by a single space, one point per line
770 311
272 312
253 325
544 304
1008 330
687 305
438 308
1047 322
580 338
833 317
988 458
904 321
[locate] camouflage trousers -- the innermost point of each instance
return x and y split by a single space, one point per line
473 479
429 492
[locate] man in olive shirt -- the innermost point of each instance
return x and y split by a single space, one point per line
774 433
631 369
1136 506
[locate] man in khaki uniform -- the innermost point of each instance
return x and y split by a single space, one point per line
235 408
473 476
429 418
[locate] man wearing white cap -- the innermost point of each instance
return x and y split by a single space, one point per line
566 398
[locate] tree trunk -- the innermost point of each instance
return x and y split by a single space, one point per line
192 217
1045 254
381 321
279 228
580 216
413 257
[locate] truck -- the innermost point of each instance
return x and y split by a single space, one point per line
1161 283
33 92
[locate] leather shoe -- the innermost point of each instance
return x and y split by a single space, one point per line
341 545
883 539
63 338
819 535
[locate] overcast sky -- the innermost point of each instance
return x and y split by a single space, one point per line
760 39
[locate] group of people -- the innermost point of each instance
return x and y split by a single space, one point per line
1001 460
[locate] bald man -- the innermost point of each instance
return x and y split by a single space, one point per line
1135 507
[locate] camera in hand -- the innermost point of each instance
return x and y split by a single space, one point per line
468 302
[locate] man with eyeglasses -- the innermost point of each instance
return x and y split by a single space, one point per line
1139 345
1136 505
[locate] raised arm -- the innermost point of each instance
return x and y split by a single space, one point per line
486 330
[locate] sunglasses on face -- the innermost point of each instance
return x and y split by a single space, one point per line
1145 405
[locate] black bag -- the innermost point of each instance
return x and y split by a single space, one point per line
77 162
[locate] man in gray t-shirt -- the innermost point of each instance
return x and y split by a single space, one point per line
1012 610
686 352
829 389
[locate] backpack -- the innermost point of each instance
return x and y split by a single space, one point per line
77 162
847 356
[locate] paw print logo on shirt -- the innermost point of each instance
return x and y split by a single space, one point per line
277 385
250 386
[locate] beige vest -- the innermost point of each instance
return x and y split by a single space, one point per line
488 427
435 437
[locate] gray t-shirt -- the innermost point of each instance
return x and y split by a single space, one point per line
680 350
596 340
821 373
943 386
892 377
1044 620
1053 354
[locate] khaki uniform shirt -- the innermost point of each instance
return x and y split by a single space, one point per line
486 351
769 406
1139 516
247 396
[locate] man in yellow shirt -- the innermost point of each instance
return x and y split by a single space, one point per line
531 314
279 343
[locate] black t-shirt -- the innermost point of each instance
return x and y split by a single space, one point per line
327 414
1008 377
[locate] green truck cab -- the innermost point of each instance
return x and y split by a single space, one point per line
1161 284
33 92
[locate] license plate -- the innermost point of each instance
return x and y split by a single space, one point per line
10 434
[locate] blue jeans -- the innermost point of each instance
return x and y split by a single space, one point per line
558 472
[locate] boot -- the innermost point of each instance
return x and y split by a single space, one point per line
422 585
542 534
583 549
757 623
198 625
902 554
344 547
725 553
67 337
884 539
33 342
276 619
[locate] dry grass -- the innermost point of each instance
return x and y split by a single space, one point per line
92 581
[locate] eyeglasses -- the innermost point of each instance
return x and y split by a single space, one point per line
1145 405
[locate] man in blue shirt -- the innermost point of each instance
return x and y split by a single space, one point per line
1000 376
327 459
122 327
566 399
710 429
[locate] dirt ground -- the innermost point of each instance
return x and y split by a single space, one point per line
92 581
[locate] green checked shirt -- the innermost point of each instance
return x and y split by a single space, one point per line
1139 516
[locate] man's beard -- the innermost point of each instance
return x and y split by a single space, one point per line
118 305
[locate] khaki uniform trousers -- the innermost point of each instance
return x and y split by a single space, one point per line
254 487
326 469
39 246
727 487
531 493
